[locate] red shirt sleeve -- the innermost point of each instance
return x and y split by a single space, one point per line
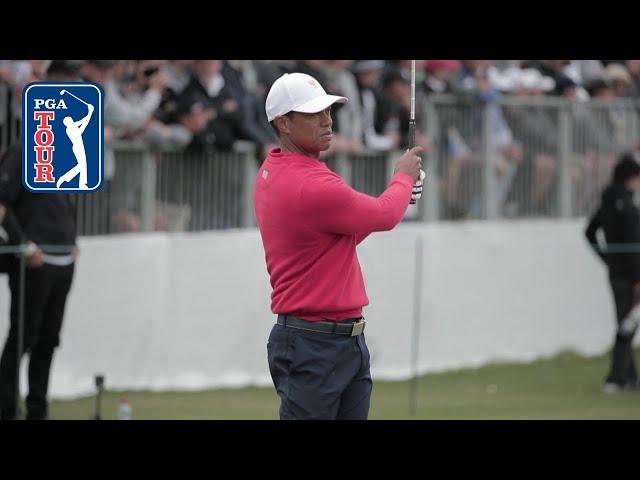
332 206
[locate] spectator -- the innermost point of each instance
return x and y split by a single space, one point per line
321 70
565 87
381 130
129 105
438 75
348 118
633 66
194 115
255 126
396 89
620 79
619 219
537 127
594 146
599 89
465 143
64 70
208 86
584 71
17 74
131 97
178 74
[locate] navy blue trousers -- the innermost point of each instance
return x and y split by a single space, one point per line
319 376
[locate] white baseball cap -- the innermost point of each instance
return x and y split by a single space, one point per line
298 92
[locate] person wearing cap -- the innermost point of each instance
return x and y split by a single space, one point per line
64 70
619 219
438 75
619 78
633 67
310 222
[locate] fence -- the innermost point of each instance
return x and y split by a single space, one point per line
522 158
511 158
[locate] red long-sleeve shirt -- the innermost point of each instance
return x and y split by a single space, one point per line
311 221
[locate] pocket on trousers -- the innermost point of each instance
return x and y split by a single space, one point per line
365 351
278 355
314 357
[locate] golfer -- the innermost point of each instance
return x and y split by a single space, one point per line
310 221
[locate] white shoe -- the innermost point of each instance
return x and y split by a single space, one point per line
610 388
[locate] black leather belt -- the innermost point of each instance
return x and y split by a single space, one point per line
352 327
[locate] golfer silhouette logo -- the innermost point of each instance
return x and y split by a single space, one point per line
74 132
63 135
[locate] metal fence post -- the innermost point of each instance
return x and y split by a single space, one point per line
429 207
634 123
344 167
148 191
249 172
415 333
20 332
564 154
489 187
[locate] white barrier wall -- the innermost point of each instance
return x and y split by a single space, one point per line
191 311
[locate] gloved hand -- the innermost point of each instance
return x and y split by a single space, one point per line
417 187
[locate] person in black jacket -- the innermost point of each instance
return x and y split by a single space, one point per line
207 85
41 222
619 219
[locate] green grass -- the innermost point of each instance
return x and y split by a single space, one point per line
564 387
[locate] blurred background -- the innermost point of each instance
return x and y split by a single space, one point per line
488 291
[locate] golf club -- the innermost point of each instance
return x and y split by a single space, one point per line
412 117
62 92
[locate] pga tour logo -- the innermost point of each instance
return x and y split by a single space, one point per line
63 137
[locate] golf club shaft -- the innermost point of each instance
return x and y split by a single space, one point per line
66 91
412 116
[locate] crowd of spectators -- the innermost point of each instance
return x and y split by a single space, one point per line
196 105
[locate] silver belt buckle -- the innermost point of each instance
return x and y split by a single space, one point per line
358 328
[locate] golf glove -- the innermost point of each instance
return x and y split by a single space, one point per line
416 193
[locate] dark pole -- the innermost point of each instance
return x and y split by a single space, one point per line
99 385
415 335
20 335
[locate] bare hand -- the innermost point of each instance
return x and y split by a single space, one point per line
158 80
34 256
230 105
410 163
